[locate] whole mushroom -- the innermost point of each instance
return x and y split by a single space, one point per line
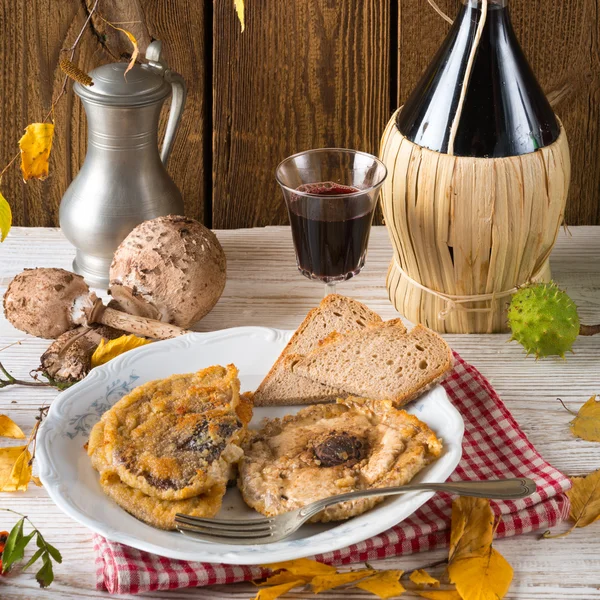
42 301
171 268
47 302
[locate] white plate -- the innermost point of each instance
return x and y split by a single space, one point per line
72 483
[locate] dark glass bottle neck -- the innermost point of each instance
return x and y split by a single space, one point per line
505 111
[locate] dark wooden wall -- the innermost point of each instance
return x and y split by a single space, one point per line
304 74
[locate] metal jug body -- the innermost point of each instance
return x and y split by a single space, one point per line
122 182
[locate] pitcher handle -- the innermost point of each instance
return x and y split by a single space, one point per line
179 93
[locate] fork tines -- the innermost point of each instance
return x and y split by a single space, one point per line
232 529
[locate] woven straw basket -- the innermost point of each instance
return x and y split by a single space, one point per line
467 231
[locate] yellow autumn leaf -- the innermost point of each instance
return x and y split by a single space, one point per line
472 528
8 428
15 470
421 577
303 567
35 147
586 425
585 499
485 577
439 594
108 350
239 9
386 584
479 571
37 481
271 593
5 218
321 583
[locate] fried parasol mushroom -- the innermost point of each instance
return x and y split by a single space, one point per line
169 268
47 302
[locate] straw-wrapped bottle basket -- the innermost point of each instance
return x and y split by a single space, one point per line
468 231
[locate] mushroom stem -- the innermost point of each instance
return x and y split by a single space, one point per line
132 323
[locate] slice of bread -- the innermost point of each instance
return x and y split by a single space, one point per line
380 362
281 386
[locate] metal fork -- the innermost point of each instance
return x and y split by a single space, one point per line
273 529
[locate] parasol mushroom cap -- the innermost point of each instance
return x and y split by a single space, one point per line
46 302
171 268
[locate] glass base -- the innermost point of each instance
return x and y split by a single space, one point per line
335 278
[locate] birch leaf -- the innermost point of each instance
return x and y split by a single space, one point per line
485 577
303 567
106 351
5 218
472 529
322 583
35 147
15 470
479 571
421 577
586 425
8 428
239 9
386 584
585 499
272 593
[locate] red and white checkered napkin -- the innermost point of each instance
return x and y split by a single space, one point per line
493 447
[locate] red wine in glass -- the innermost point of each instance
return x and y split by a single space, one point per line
330 226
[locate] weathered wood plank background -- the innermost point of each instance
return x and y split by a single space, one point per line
304 74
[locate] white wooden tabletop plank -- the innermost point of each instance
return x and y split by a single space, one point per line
264 288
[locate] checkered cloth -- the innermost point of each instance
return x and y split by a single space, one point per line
493 447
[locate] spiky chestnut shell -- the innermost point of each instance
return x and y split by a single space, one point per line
544 320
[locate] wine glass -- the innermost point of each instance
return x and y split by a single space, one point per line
331 195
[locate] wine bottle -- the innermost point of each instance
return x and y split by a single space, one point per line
505 111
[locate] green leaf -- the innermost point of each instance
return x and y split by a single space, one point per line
5 218
45 576
54 553
16 533
33 559
18 552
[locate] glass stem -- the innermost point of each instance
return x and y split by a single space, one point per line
329 288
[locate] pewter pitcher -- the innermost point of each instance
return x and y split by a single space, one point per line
123 180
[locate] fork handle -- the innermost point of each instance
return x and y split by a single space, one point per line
499 489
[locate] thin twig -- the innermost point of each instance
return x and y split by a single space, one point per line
63 87
43 412
439 563
589 329
440 12
12 160
71 57
567 408
17 343
10 380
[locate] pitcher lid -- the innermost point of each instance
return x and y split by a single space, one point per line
140 86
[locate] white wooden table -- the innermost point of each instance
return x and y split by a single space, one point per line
264 288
